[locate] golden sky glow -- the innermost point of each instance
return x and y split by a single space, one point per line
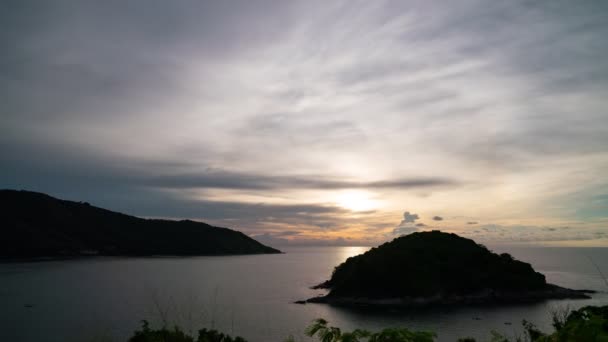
308 122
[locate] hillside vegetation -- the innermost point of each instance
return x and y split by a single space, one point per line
37 225
436 267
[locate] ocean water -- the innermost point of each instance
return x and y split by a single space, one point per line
105 299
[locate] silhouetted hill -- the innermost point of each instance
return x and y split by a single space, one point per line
436 267
38 225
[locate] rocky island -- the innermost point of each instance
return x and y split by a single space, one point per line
35 225
428 268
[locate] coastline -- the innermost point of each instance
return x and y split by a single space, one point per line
487 296
7 260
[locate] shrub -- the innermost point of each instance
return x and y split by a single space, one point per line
177 335
333 334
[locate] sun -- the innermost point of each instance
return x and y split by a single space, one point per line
356 200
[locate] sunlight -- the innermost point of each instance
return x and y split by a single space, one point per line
351 251
347 252
356 200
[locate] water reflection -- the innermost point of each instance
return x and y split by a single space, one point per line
251 296
347 252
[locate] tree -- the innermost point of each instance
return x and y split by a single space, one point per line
333 334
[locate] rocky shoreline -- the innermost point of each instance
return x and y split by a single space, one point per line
487 296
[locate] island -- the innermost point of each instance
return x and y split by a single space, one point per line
436 268
35 225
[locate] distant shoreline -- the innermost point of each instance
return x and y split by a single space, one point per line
93 257
40 227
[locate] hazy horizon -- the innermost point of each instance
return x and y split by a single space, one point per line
315 122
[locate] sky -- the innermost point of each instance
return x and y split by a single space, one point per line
316 122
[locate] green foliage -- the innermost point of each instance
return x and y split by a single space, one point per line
532 332
402 335
589 323
177 335
333 334
559 316
160 335
205 335
290 338
498 337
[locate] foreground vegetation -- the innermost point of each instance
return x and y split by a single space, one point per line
177 335
588 324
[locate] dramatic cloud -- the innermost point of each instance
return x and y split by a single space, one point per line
315 117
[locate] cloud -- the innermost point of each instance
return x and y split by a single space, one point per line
409 218
472 222
287 233
179 106
64 166
437 218
275 241
404 230
270 240
420 225
407 225
167 205
531 234
234 180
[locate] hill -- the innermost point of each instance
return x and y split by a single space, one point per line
37 225
436 267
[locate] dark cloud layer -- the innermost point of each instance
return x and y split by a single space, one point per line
149 106
233 180
60 168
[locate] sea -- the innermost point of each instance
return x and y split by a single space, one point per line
107 298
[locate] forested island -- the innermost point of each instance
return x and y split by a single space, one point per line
35 225
427 268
